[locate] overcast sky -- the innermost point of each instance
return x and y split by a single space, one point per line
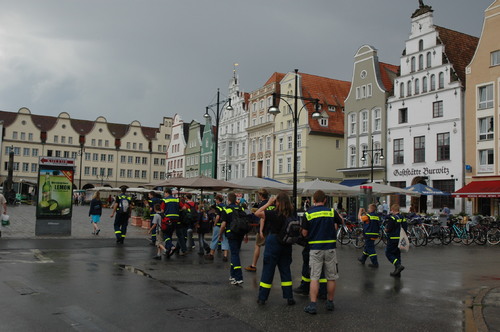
145 59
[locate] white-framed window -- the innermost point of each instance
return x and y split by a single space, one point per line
289 165
299 160
441 80
424 84
417 86
486 131
408 88
486 160
261 144
280 165
289 142
92 142
34 167
86 170
95 157
268 143
377 147
268 167
323 122
352 156
280 144
137 173
122 173
412 64
26 167
30 137
352 124
485 96
364 150
56 139
433 82
429 59
364 122
26 152
495 58
299 140
34 152
421 62
94 171
377 119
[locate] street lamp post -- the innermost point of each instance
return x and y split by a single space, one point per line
217 121
373 153
274 110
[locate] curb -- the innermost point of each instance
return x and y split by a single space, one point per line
474 319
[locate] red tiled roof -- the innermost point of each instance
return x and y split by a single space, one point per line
459 48
388 73
275 78
330 92
246 98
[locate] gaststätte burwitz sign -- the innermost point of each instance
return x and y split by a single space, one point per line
424 171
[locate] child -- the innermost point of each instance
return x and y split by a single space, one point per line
156 224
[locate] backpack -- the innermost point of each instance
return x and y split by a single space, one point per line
123 204
290 232
165 222
189 216
240 223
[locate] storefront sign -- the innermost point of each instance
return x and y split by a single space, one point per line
425 171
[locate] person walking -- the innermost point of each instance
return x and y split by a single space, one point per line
152 201
393 229
218 209
95 212
202 228
235 240
170 208
371 229
259 240
320 225
121 208
275 253
156 224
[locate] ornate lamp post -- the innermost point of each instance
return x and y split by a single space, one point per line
373 153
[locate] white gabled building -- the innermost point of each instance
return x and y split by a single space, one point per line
425 117
233 138
176 149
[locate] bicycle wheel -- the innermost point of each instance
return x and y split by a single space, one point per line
419 238
479 236
493 236
455 237
467 237
445 235
343 237
358 237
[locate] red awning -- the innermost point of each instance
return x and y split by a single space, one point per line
479 189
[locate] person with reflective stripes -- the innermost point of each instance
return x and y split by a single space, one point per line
218 208
236 275
170 208
393 229
152 201
320 225
121 219
275 253
371 229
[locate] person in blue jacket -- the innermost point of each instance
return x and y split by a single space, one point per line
371 230
393 228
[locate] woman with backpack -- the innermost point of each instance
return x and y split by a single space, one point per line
276 253
95 212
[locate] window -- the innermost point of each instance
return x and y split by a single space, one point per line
26 167
155 175
99 142
130 159
23 137
129 173
156 161
364 122
495 58
421 45
299 140
413 64
63 139
485 96
56 139
424 84
421 62
486 128
289 142
437 109
417 86
401 90
486 160
377 147
408 89
106 143
123 159
137 160
441 80
110 158
419 149
34 167
377 120
87 156
268 143
398 199
30 136
86 170
429 59
70 140
94 171
352 124
268 167
369 90
443 146
93 142
364 151
95 157
438 201
352 156
280 165
66 154
34 152
403 115
289 164
134 146
144 174
26 152
280 144
398 151
110 172
74 154
433 82
103 157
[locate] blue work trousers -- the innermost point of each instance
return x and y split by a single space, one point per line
120 225
393 253
153 232
369 251
234 247
276 254
181 233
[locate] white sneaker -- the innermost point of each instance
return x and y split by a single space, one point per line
232 279
236 282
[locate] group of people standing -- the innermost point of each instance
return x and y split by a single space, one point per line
319 226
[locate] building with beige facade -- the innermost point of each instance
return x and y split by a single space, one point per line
105 153
193 149
482 113
175 163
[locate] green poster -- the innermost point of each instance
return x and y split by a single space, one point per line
55 192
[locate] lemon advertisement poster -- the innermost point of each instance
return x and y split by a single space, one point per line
55 193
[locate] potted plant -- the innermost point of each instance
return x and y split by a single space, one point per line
146 221
137 216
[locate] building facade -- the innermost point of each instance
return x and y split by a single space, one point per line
365 117
175 157
482 117
105 153
261 128
193 149
207 151
425 117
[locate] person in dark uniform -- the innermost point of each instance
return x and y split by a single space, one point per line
275 253
121 208
170 208
393 229
152 201
371 230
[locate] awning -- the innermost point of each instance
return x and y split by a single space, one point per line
479 189
353 182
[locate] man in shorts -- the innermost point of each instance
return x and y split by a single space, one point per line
320 225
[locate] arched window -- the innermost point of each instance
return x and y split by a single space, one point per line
421 62
420 45
412 64
441 80
429 60
401 90
417 86
408 89
424 84
433 82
